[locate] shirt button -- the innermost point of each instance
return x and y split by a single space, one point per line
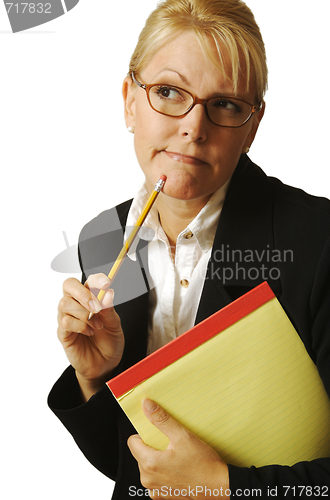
184 283
188 235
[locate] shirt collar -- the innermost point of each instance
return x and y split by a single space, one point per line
204 225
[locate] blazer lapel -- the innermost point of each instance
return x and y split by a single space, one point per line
244 245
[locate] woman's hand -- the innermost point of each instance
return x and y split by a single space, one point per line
186 469
95 347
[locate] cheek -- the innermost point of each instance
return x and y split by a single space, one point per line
233 142
236 136
147 143
152 134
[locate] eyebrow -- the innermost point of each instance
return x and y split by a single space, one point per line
183 78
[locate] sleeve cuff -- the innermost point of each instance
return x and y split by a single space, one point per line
65 398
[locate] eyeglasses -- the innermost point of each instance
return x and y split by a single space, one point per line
224 111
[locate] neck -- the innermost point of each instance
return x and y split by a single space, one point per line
175 215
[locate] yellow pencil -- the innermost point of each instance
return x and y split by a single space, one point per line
128 243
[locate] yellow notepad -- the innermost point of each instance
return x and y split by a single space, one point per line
241 380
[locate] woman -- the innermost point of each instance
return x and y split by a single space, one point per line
194 101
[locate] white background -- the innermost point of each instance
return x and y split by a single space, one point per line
65 156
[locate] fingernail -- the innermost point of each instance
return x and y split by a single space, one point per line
150 406
97 323
95 306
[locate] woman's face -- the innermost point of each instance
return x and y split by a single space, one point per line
197 156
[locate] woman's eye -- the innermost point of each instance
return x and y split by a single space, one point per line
227 105
170 93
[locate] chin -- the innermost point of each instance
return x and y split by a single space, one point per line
183 191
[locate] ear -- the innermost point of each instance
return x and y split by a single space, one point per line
255 124
128 92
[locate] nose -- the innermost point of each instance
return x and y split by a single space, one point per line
194 124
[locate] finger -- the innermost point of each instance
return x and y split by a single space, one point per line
69 325
108 316
73 288
163 421
96 282
134 443
69 306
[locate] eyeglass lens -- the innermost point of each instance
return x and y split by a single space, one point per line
174 101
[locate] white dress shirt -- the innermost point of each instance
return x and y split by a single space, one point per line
176 285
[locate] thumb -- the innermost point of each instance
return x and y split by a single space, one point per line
108 316
163 421
107 301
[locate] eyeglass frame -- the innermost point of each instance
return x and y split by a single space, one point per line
197 100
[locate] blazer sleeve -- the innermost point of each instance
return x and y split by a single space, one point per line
304 479
93 425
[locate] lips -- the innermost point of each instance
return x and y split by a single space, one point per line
192 160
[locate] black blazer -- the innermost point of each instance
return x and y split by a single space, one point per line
267 231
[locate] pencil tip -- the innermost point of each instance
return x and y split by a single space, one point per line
163 177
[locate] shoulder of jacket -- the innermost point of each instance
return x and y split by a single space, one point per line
283 192
299 200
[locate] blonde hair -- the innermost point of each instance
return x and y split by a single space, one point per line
229 23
